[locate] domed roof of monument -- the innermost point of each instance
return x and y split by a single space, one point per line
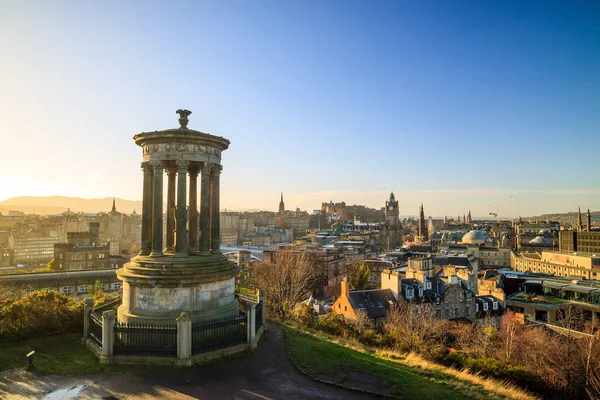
474 237
182 134
539 241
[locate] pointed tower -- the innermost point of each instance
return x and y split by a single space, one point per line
469 218
589 221
423 234
392 211
281 204
114 207
464 218
579 221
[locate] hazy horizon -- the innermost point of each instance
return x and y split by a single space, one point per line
488 107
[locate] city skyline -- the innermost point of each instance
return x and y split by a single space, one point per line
492 108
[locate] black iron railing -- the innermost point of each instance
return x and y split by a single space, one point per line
145 340
96 329
218 334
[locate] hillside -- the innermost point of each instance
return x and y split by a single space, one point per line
46 205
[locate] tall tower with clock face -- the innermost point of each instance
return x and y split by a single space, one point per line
392 212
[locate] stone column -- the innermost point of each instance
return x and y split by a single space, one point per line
87 310
193 210
215 229
205 210
147 210
251 324
108 337
181 236
184 340
157 210
171 208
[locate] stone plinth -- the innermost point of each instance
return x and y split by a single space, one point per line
158 290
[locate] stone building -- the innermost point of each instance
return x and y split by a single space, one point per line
580 242
570 265
82 251
31 248
188 273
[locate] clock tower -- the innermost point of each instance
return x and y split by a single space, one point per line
392 212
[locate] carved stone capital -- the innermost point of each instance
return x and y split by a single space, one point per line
193 170
157 165
146 167
171 171
182 165
206 168
216 169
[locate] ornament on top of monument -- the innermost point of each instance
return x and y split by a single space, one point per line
182 165
183 117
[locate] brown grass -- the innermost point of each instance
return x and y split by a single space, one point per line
463 377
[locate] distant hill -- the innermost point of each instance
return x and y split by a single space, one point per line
47 205
569 217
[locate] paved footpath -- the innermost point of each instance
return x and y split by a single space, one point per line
266 373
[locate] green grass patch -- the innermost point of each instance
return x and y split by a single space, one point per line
318 357
62 354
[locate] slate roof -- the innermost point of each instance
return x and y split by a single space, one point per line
451 260
374 302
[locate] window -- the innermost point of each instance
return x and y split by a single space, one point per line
485 306
420 292
66 289
82 289
495 305
428 284
345 308
476 307
447 312
456 311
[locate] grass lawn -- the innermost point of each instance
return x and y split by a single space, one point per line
321 357
61 354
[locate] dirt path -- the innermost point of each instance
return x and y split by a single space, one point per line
266 373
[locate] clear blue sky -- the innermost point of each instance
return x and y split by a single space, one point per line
457 104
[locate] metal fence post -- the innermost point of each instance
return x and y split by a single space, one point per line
184 340
87 309
108 337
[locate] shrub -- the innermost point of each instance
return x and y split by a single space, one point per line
39 313
336 325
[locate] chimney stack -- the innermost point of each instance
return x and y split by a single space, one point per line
345 287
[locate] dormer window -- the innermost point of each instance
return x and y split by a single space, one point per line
428 284
485 306
495 305
420 292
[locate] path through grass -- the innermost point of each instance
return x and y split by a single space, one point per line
320 357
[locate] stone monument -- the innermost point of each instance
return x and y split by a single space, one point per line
188 273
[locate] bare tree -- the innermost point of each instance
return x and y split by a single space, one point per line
287 280
414 327
509 329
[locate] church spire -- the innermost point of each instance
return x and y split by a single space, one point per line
114 207
579 222
589 221
281 204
